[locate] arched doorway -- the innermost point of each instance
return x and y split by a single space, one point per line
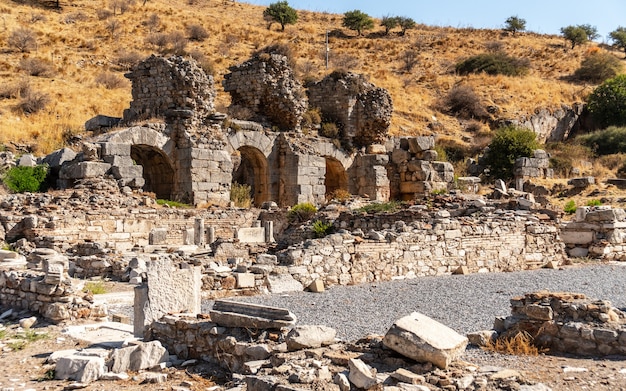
253 170
157 170
336 177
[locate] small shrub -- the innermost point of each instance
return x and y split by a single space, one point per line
594 203
607 103
178 42
125 59
95 288
103 14
494 46
312 117
22 39
303 211
321 229
463 102
110 80
341 195
206 63
159 40
410 59
153 23
15 90
196 32
33 102
605 142
570 207
494 64
172 204
380 207
563 156
521 344
26 179
282 49
330 130
75 17
598 67
114 27
508 144
241 195
36 67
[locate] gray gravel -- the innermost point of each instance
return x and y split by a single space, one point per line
464 303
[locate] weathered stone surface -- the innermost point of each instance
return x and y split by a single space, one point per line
307 336
423 339
101 121
421 143
481 338
80 170
361 375
138 357
581 182
84 369
281 283
234 314
57 158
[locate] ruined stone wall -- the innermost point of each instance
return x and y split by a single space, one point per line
56 302
596 232
266 86
161 87
423 249
569 323
362 110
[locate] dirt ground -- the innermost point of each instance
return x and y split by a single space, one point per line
26 368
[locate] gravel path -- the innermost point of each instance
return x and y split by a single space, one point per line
464 303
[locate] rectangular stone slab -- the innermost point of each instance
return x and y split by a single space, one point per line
235 314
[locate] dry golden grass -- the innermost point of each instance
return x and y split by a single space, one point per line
86 38
522 344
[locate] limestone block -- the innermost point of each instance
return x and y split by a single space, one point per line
413 187
577 252
251 235
283 283
608 215
430 155
421 143
308 336
121 161
399 156
244 280
581 213
376 149
361 375
138 357
101 121
127 171
58 157
581 183
481 338
158 236
577 237
84 369
423 339
27 160
81 170
115 149
234 314
317 286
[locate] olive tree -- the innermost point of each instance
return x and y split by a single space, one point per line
576 35
280 12
357 21
618 36
515 24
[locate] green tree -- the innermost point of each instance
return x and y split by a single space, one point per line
357 21
515 24
607 103
405 23
280 12
575 34
618 36
24 179
509 144
591 31
389 22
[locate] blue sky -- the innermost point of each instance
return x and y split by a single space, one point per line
542 16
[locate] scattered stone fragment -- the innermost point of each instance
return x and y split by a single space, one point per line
306 336
361 375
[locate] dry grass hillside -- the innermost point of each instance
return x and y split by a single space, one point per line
69 63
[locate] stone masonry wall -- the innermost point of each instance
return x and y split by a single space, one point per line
163 86
596 232
567 322
423 248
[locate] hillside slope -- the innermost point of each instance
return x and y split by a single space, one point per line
85 47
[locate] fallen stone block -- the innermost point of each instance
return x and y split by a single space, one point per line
421 143
282 283
234 314
260 383
135 358
407 376
423 339
27 323
482 338
84 369
307 336
581 183
317 286
361 375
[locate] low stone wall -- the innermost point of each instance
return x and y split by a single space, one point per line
56 302
567 322
596 232
425 248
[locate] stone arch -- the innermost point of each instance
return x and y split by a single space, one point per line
155 152
336 177
157 170
253 170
